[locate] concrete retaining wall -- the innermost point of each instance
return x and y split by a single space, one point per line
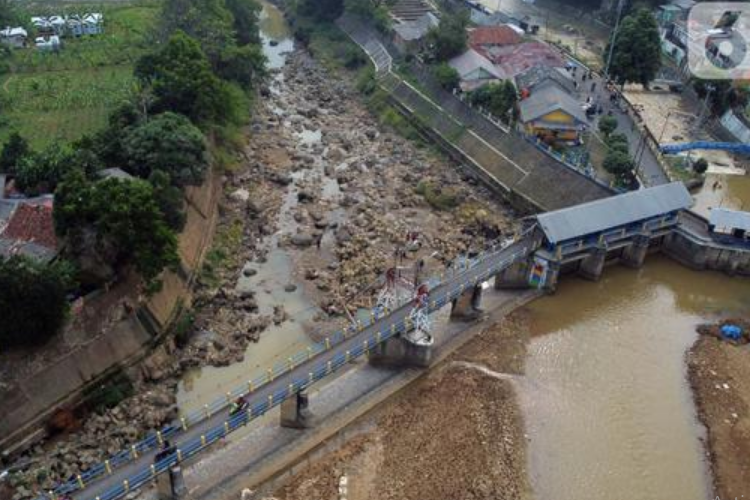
700 255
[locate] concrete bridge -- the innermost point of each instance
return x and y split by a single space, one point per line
580 239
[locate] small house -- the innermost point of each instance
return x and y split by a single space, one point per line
474 69
49 26
486 39
540 74
87 24
551 114
51 43
13 37
30 230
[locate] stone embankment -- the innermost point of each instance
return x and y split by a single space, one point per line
338 195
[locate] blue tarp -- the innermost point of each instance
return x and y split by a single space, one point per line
733 332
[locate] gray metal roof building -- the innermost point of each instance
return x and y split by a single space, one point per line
607 213
725 220
546 98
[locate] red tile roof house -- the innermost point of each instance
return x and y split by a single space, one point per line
484 38
512 60
30 231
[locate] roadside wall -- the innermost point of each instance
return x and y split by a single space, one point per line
28 404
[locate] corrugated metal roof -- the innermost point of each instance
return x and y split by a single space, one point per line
600 215
470 61
724 218
547 97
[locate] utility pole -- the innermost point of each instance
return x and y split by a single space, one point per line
620 7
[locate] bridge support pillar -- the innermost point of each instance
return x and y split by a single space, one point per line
400 351
295 412
466 306
171 486
635 254
592 266
515 276
553 276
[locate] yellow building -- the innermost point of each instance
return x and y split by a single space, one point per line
551 114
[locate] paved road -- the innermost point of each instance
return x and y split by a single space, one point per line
648 168
139 470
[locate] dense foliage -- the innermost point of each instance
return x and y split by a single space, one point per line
40 172
607 125
636 57
498 98
181 80
320 10
33 303
12 153
122 218
447 76
449 39
170 143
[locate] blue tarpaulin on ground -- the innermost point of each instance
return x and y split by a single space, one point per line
733 332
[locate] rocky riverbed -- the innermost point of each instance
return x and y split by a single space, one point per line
323 181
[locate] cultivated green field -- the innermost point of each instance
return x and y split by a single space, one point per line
62 96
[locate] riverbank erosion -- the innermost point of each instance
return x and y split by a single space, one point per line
455 433
719 373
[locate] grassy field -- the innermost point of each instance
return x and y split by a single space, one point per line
62 96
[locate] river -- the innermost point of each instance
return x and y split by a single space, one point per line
200 386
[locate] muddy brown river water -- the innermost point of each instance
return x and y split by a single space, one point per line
606 401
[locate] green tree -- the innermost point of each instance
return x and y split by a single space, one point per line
374 11
15 150
208 22
245 20
167 142
169 198
10 14
181 80
117 220
320 10
244 65
40 172
449 38
33 301
617 141
106 144
723 94
618 164
636 57
700 166
447 77
607 125
498 98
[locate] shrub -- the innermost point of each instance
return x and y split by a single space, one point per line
33 304
447 77
700 166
